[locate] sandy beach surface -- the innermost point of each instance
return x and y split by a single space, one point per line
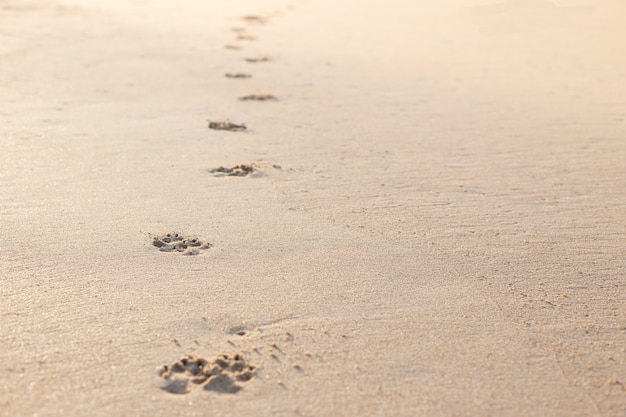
428 216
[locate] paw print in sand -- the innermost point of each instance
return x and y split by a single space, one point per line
258 97
225 374
241 170
227 125
175 242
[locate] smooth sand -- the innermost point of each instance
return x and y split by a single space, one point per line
436 227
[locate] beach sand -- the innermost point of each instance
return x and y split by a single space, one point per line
417 210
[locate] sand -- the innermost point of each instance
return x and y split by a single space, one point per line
435 224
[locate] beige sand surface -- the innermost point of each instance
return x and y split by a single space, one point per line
436 225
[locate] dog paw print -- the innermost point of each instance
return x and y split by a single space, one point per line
258 97
241 170
176 242
224 374
257 59
239 75
227 125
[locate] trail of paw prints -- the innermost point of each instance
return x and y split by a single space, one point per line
176 242
225 373
241 33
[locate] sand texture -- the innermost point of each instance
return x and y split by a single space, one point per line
395 208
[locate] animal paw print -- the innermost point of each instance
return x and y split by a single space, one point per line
258 97
257 59
175 242
237 74
225 374
242 170
227 125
